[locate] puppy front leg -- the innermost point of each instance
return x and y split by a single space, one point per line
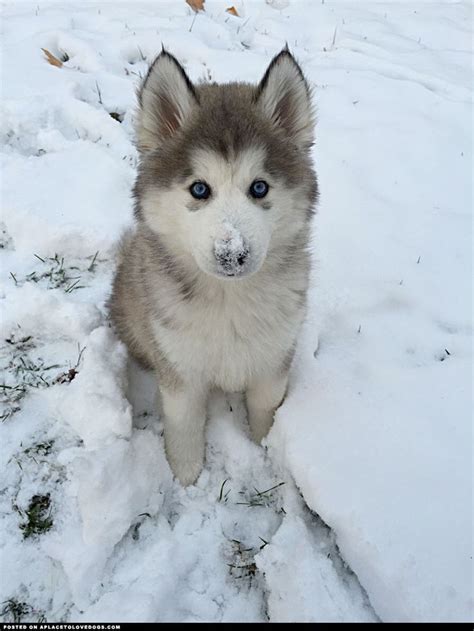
184 420
264 396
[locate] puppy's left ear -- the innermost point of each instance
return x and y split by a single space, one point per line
285 98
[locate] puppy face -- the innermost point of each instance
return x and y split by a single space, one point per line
224 173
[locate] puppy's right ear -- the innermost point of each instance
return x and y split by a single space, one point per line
166 98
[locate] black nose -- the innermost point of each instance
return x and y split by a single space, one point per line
231 260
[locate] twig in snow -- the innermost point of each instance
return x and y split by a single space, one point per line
92 265
74 286
259 498
192 23
222 491
99 92
270 489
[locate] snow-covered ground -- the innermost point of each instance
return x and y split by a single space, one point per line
360 507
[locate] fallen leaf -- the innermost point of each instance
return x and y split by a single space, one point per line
51 59
196 5
233 11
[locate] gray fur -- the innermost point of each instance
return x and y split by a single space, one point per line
195 330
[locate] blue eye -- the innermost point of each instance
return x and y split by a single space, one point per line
200 190
258 189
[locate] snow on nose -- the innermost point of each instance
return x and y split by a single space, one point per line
231 251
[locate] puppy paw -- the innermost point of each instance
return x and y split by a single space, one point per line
260 426
186 472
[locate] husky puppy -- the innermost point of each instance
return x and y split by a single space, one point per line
210 290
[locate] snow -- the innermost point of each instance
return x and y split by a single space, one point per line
374 441
94 404
294 562
112 486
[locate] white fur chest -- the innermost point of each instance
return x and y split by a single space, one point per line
227 337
